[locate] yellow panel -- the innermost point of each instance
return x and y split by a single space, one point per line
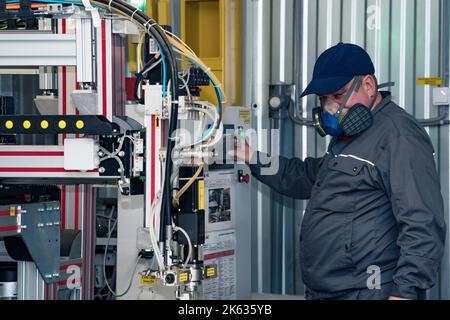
163 8
151 8
213 29
213 63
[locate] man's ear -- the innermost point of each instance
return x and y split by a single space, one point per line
370 85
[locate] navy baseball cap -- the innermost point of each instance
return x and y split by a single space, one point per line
337 66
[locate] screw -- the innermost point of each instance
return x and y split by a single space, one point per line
121 154
100 153
101 170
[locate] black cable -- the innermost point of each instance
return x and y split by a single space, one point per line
295 119
159 35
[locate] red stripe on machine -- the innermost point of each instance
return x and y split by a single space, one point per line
104 86
77 87
153 191
77 206
85 243
217 255
9 228
152 169
5 213
64 96
46 291
122 81
114 74
67 266
91 283
63 207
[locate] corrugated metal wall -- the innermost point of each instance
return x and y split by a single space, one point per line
407 39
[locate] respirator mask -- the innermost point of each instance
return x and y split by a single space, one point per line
329 120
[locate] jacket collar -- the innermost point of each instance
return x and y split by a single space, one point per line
387 98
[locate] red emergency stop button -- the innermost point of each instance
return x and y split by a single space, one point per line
243 178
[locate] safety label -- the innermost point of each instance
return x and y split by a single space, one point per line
245 115
220 249
429 81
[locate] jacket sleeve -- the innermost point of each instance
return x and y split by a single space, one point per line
419 211
290 177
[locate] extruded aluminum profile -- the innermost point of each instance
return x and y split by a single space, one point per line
37 49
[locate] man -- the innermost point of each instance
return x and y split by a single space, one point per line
374 226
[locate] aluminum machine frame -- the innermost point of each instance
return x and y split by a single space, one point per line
80 51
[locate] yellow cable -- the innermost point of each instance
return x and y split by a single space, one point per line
176 198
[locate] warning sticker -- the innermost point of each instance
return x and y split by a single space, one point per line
148 280
245 115
184 277
429 81
201 195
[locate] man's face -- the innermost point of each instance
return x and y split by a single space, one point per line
331 102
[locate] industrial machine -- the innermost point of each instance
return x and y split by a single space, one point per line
144 137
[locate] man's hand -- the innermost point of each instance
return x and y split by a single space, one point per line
396 298
242 151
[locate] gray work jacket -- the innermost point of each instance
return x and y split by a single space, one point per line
375 204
